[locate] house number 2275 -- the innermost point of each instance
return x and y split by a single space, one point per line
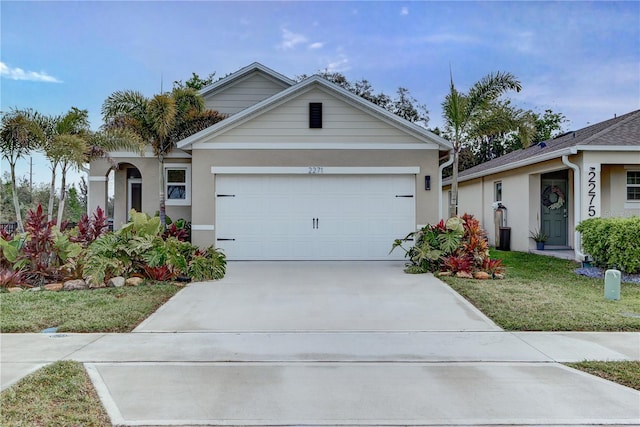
314 170
591 191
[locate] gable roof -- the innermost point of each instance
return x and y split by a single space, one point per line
617 134
232 78
316 81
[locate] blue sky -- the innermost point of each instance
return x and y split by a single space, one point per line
578 58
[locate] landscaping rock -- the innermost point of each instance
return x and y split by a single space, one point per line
116 282
93 285
481 275
74 285
134 281
498 276
54 287
14 289
464 275
444 273
36 289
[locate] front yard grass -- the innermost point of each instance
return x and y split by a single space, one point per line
98 310
60 394
626 373
542 293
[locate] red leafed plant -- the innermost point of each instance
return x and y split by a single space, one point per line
456 263
38 253
161 273
174 231
493 266
89 229
10 278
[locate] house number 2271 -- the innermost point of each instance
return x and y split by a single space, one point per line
314 170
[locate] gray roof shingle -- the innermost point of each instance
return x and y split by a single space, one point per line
619 131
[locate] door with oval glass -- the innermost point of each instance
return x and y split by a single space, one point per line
554 208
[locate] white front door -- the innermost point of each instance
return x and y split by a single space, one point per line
328 217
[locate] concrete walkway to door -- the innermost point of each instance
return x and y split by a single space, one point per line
338 343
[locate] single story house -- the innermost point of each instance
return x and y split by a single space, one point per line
553 186
298 171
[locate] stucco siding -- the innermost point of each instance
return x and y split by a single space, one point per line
204 181
341 123
244 93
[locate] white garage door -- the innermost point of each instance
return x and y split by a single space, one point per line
313 217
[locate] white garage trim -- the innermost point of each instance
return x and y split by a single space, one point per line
312 146
314 170
203 227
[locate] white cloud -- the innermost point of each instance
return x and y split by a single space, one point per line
340 64
290 39
316 45
15 73
404 11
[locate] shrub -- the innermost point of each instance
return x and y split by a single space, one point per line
457 245
612 242
139 248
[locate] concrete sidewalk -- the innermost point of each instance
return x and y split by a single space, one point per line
335 344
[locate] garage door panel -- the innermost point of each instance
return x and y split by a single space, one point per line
313 217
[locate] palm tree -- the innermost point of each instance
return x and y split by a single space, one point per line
160 121
65 145
19 135
459 109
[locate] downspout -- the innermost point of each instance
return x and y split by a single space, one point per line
577 204
440 169
88 172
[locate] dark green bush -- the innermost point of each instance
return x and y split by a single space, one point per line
612 242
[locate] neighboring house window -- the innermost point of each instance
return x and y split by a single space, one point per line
497 191
633 186
315 115
178 184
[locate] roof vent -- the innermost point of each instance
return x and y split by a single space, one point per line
315 115
542 144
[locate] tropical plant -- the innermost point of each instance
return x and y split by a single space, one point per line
19 135
138 247
160 121
538 235
457 245
432 242
89 229
459 109
43 250
209 264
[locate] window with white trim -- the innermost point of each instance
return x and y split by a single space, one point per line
177 178
497 191
633 186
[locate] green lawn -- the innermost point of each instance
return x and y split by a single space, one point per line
542 293
625 373
99 310
60 394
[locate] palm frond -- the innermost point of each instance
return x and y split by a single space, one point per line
187 101
161 115
124 103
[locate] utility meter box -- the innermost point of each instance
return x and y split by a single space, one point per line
612 284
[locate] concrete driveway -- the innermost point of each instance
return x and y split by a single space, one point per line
318 297
338 343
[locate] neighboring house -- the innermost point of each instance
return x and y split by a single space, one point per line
301 170
592 172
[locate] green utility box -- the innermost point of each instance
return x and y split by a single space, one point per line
612 284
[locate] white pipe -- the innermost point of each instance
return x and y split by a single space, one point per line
440 169
577 206
88 207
